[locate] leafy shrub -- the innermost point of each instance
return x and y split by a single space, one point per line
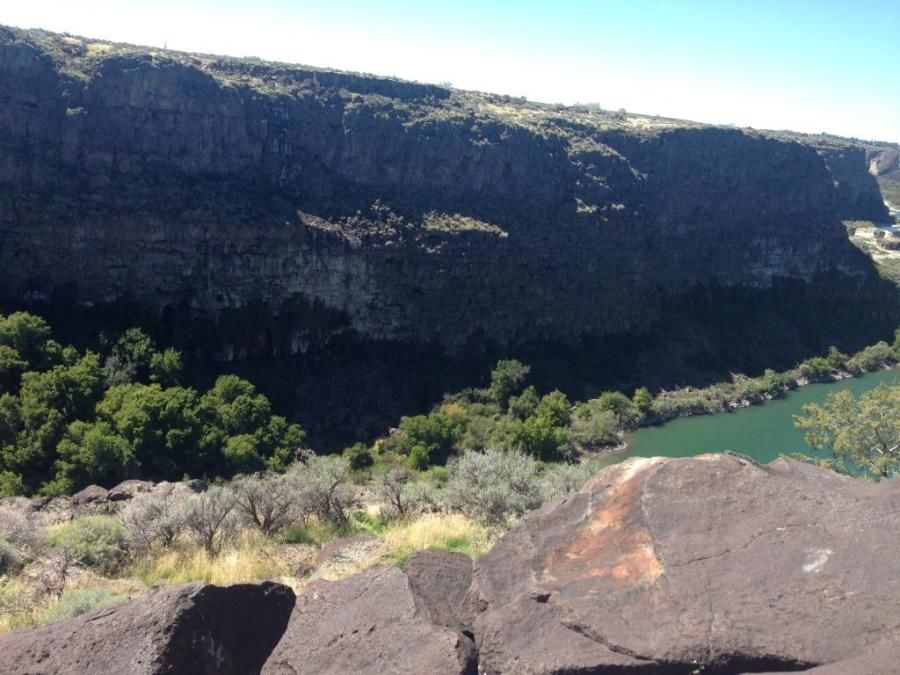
619 405
11 484
98 542
507 379
642 400
359 457
494 486
524 405
593 428
814 368
429 439
871 358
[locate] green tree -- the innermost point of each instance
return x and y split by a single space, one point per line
12 365
429 439
619 405
165 368
162 425
507 379
92 452
27 334
864 430
130 358
642 400
836 358
525 404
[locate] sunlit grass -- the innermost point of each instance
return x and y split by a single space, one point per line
448 532
247 561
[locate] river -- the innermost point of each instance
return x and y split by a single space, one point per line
762 431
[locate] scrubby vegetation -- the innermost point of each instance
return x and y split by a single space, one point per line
453 478
264 525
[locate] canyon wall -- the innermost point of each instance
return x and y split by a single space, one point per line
401 212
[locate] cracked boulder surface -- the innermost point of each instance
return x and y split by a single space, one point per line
374 622
194 628
712 564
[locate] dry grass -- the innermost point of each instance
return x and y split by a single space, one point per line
249 560
19 608
449 532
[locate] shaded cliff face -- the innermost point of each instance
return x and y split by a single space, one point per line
404 213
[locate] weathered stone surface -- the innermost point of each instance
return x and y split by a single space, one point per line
195 628
416 214
666 565
89 495
441 582
368 623
882 659
128 489
344 556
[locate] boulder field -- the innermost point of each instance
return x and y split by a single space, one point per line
712 564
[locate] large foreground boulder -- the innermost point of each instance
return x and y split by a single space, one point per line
195 628
375 622
713 564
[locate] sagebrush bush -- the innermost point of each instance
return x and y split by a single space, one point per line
17 526
210 518
324 489
562 479
401 496
267 502
493 486
101 543
11 559
155 519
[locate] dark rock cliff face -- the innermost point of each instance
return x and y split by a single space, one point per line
406 213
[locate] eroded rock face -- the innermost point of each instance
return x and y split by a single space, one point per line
663 566
368 623
194 628
414 213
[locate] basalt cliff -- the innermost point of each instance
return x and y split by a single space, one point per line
285 208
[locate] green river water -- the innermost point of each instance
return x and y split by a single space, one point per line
762 431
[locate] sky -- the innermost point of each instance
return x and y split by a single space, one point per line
806 65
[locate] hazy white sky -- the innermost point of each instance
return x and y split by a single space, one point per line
809 65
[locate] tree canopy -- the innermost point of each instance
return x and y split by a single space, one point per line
864 431
71 418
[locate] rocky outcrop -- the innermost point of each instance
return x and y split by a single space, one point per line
667 565
713 564
408 212
185 629
368 623
859 197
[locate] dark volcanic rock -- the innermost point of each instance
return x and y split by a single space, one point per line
408 212
368 623
195 629
89 495
128 489
441 582
665 566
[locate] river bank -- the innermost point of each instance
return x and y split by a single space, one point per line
763 432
